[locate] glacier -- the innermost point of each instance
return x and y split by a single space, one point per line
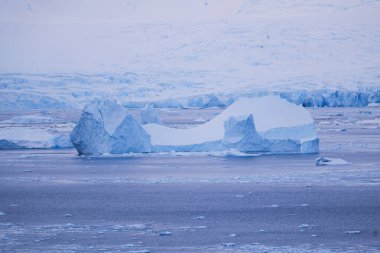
323 54
264 125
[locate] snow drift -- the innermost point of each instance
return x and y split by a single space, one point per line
267 124
31 137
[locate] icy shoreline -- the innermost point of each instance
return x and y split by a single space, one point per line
40 91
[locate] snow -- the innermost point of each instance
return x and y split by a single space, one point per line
58 55
26 137
31 137
105 127
249 125
324 161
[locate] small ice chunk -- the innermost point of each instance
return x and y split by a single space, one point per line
305 204
232 235
201 217
201 227
68 215
239 196
274 205
2 213
324 161
136 226
229 244
304 226
139 251
353 232
165 233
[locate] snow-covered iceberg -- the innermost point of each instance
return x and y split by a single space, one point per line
266 125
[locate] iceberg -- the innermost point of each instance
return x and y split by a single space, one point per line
267 124
149 115
105 127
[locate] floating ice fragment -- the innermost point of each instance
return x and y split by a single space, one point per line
229 244
304 226
2 213
200 120
353 232
232 235
165 233
324 161
139 251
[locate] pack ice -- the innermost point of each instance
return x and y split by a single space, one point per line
265 124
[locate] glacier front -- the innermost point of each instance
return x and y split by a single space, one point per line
261 125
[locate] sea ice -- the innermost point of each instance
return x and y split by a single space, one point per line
165 233
28 119
30 137
266 124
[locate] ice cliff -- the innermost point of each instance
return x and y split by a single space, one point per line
266 125
104 127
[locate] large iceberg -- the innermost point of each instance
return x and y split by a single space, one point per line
104 127
266 125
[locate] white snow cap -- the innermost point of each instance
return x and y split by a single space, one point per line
270 112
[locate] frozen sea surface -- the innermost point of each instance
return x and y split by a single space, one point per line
54 200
